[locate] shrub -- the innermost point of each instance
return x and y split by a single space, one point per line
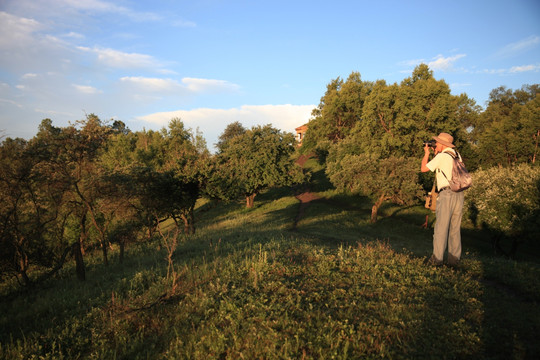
507 202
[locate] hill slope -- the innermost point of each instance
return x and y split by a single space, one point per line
268 283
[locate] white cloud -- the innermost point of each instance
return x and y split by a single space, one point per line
412 62
212 122
95 5
439 62
188 85
29 76
512 70
26 48
74 35
519 46
108 7
524 68
493 71
88 90
11 102
151 84
17 32
444 63
208 85
119 59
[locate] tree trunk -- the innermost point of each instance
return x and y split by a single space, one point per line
22 264
25 278
189 226
375 208
82 237
105 256
79 261
122 243
250 199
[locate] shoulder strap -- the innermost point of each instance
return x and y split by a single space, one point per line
454 157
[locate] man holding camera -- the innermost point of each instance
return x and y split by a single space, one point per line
449 208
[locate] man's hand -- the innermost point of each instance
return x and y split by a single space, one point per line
423 167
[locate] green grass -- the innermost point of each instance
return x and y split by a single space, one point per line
249 285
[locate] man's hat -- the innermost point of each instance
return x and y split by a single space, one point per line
445 139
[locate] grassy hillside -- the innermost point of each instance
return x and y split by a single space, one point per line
267 283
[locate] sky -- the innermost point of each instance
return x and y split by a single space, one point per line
213 62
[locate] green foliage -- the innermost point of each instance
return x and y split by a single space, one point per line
507 200
258 159
398 118
508 131
392 178
231 131
339 110
379 156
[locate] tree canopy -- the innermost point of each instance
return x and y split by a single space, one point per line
379 155
508 131
258 159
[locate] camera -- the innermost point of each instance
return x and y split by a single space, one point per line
431 143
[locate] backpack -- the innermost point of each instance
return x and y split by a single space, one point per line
461 179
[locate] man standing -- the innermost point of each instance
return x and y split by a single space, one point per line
449 208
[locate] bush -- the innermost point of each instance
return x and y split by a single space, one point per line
506 201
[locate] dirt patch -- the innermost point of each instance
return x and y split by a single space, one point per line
302 159
305 199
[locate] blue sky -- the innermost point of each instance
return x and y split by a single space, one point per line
212 62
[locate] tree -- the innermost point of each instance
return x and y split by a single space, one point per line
507 132
392 178
397 119
186 156
72 154
340 109
258 159
18 230
232 130
32 215
379 156
166 194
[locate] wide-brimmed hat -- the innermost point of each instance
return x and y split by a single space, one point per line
445 139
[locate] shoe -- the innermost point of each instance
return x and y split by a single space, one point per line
452 261
433 261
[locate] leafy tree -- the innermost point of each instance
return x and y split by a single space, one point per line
507 132
72 154
165 194
258 159
162 172
397 119
340 109
379 156
383 179
186 155
120 127
31 217
231 131
18 235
